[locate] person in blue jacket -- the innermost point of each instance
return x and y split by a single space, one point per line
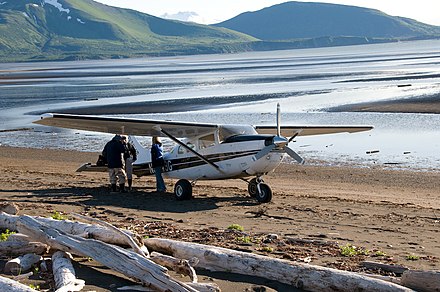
114 153
158 162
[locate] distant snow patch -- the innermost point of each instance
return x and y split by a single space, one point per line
57 5
69 17
80 21
35 5
25 14
2 3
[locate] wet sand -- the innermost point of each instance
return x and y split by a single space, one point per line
394 214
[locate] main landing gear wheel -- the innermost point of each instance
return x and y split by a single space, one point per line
183 190
265 194
252 187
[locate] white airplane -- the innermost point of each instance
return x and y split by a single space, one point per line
207 151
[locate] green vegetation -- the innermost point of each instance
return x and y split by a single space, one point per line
267 249
379 253
58 216
244 239
236 227
412 257
5 235
349 250
35 287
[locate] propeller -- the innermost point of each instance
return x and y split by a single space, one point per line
280 142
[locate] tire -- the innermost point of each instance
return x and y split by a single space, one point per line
252 188
265 195
183 190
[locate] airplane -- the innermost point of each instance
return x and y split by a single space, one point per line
204 151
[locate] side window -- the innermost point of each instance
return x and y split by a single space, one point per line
182 150
206 141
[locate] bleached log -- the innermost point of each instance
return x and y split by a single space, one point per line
13 248
23 276
425 281
201 287
8 285
126 262
130 238
18 237
300 275
76 228
384 267
22 264
64 273
178 265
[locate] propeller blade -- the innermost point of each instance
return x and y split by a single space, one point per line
294 155
278 119
263 152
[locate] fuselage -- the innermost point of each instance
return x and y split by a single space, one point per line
234 158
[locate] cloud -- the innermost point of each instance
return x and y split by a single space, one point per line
189 16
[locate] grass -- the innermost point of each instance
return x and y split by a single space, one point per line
236 227
349 250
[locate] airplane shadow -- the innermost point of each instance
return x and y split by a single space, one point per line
146 199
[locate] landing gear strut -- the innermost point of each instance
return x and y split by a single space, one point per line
259 190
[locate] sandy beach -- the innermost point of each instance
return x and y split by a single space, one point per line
393 214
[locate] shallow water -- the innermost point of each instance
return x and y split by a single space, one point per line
242 88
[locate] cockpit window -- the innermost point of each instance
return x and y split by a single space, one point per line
226 131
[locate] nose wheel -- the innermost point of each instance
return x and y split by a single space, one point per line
259 190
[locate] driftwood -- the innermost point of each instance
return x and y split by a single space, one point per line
299 275
425 281
398 270
201 287
178 265
75 228
64 273
14 248
128 263
8 285
130 238
22 264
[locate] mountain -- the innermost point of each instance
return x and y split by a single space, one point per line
76 29
299 20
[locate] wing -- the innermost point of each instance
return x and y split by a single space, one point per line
288 131
136 127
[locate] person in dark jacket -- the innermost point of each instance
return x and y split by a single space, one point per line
158 162
114 153
130 156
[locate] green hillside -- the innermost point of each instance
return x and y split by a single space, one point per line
77 29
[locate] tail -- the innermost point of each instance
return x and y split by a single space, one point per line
143 155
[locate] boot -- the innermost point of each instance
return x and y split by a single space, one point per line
130 181
113 190
122 188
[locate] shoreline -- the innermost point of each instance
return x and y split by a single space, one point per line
393 213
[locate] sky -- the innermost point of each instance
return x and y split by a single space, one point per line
214 11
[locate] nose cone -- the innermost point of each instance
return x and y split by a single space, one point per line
279 141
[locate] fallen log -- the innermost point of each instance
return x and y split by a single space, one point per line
126 262
64 273
299 275
178 265
398 270
131 239
426 281
8 221
8 285
16 248
22 263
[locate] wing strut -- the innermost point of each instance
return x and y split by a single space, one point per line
191 150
